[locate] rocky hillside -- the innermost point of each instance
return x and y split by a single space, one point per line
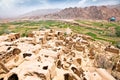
92 12
115 6
39 12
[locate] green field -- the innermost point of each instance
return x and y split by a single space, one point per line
99 30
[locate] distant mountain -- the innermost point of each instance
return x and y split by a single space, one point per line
40 12
1 17
92 12
115 6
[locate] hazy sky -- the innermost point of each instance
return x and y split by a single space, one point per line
11 8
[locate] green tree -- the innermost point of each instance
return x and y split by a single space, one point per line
118 45
117 31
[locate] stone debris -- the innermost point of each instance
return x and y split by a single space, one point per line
56 55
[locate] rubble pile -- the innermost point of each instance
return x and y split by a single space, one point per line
57 55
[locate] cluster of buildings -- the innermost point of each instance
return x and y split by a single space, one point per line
57 55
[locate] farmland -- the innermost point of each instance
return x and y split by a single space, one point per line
98 30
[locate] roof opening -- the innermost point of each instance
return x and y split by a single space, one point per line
13 77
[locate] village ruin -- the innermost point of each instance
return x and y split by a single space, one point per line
57 55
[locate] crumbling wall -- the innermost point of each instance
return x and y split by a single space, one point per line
53 55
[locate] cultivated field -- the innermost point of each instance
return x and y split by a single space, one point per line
99 30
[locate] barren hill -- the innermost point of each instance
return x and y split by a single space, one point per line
115 6
92 12
39 12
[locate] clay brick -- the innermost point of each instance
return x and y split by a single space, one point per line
66 65
26 54
66 50
77 61
59 43
16 51
69 76
118 66
52 31
3 67
61 37
13 36
113 50
76 71
30 35
59 33
91 53
17 35
79 48
58 64
43 40
87 37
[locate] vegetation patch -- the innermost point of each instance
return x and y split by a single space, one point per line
99 30
92 34
117 31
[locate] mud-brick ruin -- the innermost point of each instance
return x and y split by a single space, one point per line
57 55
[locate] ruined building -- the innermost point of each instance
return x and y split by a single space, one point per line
57 55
